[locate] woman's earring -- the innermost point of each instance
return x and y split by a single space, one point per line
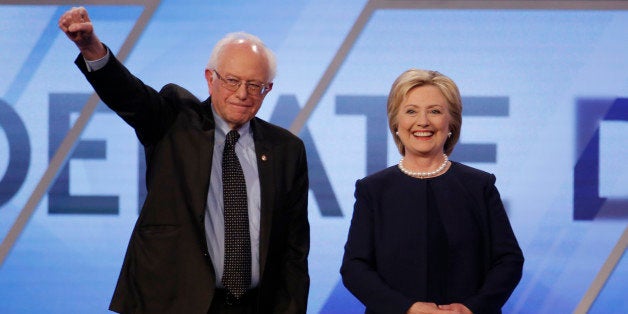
449 134
397 133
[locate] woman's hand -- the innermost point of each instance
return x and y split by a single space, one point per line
431 308
455 308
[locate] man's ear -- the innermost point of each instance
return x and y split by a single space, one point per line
209 77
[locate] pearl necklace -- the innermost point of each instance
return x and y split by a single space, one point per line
423 175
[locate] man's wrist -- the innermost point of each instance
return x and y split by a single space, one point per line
94 52
97 64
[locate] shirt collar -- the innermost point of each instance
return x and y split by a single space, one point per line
222 128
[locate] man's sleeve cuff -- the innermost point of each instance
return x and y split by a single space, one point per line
96 65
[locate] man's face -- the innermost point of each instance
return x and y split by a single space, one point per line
247 64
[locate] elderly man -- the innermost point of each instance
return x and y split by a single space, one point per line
224 226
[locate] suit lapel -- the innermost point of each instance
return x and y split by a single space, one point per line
206 150
204 167
266 169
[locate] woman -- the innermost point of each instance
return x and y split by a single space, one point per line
429 235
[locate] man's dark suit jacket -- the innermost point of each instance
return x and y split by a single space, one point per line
385 260
167 268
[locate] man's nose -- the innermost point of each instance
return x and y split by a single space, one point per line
241 92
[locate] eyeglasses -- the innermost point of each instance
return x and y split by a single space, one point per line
252 87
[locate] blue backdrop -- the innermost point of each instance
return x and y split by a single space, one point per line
546 110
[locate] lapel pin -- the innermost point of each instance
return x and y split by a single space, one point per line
264 158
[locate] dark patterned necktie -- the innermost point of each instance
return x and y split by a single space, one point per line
236 276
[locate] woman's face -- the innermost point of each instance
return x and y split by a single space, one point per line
423 122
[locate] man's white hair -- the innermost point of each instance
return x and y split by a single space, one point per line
243 37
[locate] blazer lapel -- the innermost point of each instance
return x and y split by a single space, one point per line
266 169
206 150
204 166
